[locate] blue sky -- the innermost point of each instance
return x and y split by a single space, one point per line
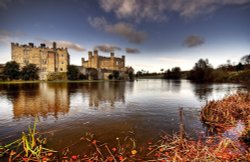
153 34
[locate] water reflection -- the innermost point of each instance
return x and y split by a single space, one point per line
55 98
41 99
100 93
202 91
107 109
173 85
205 92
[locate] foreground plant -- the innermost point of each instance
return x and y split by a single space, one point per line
30 147
228 111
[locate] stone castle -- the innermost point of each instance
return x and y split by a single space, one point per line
56 60
100 62
48 60
105 66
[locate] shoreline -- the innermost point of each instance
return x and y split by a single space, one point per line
60 81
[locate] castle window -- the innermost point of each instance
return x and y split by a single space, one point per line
117 62
62 62
61 69
62 55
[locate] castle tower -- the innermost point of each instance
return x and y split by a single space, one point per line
90 59
96 59
123 60
112 60
54 46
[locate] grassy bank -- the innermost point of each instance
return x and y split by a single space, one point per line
232 77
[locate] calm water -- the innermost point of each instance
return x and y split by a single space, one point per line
108 109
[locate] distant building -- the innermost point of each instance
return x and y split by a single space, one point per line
104 65
48 60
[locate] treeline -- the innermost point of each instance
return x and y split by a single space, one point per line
12 71
203 71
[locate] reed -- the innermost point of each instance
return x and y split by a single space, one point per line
29 147
228 111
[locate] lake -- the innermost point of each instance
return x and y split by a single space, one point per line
144 108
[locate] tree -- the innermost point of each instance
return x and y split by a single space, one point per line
175 73
245 59
116 74
30 72
202 71
110 76
239 66
11 70
73 72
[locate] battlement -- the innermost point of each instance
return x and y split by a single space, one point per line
42 46
103 62
47 59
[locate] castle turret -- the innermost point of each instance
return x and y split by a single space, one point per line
54 45
95 53
31 45
123 60
90 54
42 45
83 60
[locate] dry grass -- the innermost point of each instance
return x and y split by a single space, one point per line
228 111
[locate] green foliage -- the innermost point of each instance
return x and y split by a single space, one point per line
30 147
131 75
246 59
73 73
11 70
110 76
239 67
30 72
57 76
175 73
202 72
237 77
92 73
116 75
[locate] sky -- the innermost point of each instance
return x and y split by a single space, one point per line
152 34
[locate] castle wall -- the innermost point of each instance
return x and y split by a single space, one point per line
100 62
48 60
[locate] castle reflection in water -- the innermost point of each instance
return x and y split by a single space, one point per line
55 99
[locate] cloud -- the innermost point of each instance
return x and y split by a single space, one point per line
6 37
158 10
121 29
64 44
97 22
107 48
193 41
172 60
135 9
143 65
132 50
4 3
